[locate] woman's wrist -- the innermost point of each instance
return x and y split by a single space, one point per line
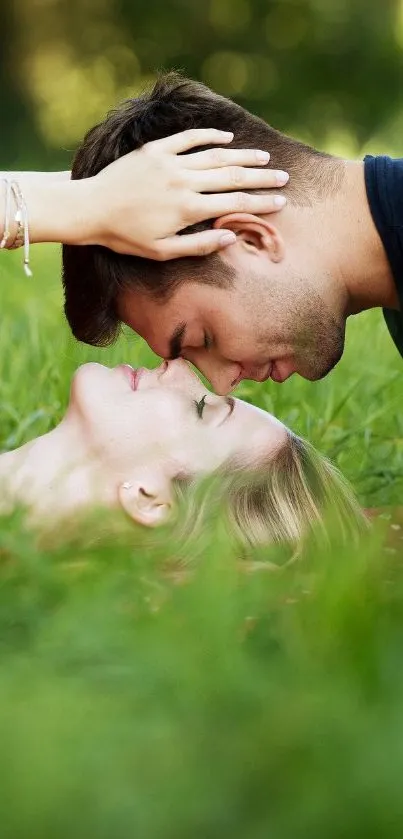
59 210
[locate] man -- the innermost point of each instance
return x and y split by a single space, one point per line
275 302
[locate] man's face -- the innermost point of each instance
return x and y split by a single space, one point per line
270 323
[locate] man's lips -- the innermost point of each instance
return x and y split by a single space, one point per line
262 377
278 375
133 376
267 373
273 371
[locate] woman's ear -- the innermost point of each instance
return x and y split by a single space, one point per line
147 499
254 233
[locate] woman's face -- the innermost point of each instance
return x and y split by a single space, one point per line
164 423
168 415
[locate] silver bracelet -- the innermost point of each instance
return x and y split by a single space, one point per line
21 219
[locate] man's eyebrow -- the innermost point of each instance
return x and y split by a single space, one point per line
175 341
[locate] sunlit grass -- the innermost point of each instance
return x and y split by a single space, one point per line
141 699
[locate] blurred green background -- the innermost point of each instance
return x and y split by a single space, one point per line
329 71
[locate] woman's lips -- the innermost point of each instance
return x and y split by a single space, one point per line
133 376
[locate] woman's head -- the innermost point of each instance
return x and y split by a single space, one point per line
148 428
155 434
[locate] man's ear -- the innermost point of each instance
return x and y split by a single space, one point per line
255 233
147 498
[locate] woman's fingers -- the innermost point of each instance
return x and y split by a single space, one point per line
216 158
213 206
193 244
185 140
165 193
237 178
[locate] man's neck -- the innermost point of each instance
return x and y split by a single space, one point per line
355 246
340 237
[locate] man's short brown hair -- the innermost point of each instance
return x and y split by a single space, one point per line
93 276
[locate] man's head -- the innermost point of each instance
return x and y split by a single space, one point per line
265 306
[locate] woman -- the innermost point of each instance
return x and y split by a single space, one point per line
141 439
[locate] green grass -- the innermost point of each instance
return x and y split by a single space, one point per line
139 702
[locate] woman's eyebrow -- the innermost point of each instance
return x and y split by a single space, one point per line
231 404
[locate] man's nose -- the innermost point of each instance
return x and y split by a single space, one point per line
222 377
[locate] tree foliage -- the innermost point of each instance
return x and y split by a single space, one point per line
322 69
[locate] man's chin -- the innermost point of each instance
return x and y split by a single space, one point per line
314 372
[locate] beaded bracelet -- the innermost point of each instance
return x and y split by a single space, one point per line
21 237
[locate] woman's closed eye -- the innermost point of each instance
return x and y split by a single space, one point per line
217 408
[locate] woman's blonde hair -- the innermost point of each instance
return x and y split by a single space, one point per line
279 499
276 500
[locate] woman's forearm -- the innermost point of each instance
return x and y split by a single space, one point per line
139 202
56 205
37 177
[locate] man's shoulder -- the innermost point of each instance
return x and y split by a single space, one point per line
394 322
384 185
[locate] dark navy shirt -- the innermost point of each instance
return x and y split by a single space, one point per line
384 184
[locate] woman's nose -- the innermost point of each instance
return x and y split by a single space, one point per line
176 370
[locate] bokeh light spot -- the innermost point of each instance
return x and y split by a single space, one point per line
231 15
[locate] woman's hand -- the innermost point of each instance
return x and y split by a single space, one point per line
140 202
